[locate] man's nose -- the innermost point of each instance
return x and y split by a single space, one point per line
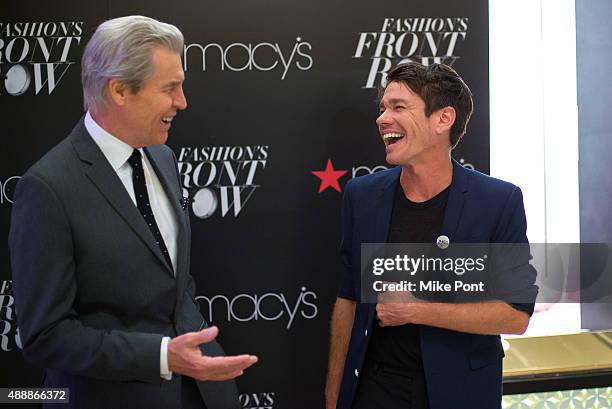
180 102
383 118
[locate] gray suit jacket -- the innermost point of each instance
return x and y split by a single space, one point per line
93 292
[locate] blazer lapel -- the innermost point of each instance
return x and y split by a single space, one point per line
166 173
106 180
384 208
456 200
384 205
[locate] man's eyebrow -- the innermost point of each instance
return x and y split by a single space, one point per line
173 83
394 101
398 100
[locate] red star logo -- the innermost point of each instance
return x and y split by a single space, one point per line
329 177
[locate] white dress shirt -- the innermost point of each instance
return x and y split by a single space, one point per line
117 153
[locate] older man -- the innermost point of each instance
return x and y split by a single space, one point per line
419 355
100 241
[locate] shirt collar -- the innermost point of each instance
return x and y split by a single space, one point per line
115 150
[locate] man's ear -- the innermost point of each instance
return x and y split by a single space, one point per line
117 91
445 118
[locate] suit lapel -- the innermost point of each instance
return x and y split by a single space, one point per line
456 201
167 176
384 205
452 215
106 180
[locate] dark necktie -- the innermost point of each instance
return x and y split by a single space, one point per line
142 202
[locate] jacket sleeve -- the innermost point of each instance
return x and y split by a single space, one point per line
45 284
515 278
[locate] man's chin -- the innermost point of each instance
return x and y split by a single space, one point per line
391 160
163 138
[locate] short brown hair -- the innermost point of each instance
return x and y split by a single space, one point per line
439 86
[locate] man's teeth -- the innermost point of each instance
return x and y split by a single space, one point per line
392 135
167 119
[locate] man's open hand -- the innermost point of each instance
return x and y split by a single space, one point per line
186 358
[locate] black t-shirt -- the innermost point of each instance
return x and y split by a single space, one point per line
398 346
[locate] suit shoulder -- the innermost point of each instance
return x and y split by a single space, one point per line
374 180
57 162
489 184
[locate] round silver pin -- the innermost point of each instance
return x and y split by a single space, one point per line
443 242
17 80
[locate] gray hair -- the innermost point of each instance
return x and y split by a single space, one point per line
121 49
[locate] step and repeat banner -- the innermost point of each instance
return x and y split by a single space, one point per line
281 109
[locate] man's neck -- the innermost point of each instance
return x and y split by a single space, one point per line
422 181
104 120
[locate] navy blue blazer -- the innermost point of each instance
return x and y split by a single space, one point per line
463 371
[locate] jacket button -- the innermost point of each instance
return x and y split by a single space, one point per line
366 332
356 372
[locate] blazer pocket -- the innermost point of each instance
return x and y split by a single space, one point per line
486 356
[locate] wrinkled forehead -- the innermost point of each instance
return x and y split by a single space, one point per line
398 91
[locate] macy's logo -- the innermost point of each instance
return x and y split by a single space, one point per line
267 307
